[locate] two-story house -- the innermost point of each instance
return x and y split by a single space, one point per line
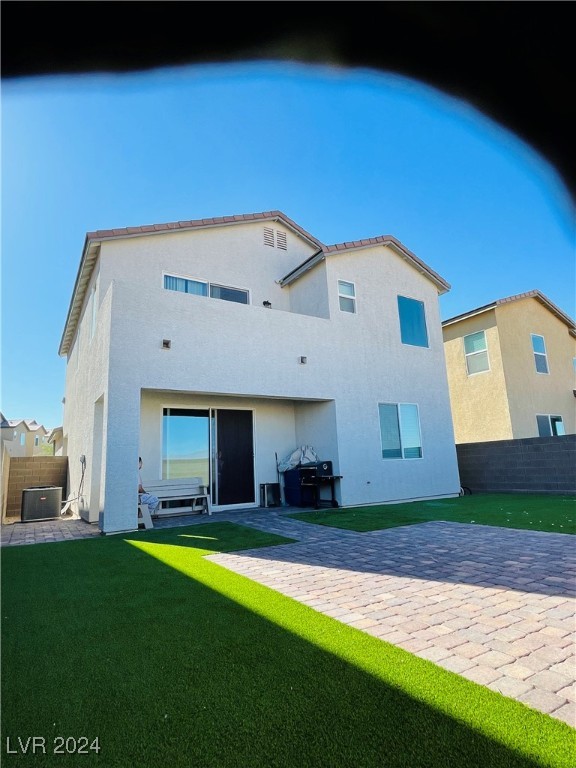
22 437
212 347
512 370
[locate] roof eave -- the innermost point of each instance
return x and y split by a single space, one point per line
535 294
302 268
90 255
385 241
472 313
442 285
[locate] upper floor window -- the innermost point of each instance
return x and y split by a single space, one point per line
36 441
476 352
347 296
201 288
185 286
22 438
539 349
275 238
413 329
400 431
549 425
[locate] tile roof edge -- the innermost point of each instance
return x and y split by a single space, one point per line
533 294
110 234
390 240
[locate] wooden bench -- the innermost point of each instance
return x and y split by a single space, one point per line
193 495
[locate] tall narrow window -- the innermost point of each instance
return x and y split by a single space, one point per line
413 329
549 426
400 431
540 357
347 296
476 352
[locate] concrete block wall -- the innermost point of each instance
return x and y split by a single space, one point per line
528 465
29 472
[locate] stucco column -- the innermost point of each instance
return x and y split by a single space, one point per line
120 459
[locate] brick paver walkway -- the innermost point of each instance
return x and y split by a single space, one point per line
494 605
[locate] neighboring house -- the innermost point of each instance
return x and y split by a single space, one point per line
56 440
511 370
211 348
22 437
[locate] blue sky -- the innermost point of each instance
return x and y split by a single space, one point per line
347 154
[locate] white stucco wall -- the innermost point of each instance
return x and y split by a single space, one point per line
373 366
234 256
222 352
87 383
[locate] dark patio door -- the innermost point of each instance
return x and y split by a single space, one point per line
233 476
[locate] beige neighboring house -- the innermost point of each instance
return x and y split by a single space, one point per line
56 440
23 437
511 370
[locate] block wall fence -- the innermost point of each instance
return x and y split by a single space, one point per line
29 472
529 465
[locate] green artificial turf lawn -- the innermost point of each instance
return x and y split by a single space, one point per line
171 660
554 514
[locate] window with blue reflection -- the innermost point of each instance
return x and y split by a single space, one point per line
413 329
400 431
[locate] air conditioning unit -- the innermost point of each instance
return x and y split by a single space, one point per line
41 503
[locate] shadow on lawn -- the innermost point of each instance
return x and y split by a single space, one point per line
101 638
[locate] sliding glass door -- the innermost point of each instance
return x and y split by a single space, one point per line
214 444
185 444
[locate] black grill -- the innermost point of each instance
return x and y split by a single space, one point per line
302 485
317 468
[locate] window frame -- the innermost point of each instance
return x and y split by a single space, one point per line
540 354
549 416
468 355
404 329
229 288
209 285
402 437
347 297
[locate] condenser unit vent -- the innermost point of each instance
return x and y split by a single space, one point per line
41 503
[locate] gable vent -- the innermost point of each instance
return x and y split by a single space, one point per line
275 238
281 240
269 236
